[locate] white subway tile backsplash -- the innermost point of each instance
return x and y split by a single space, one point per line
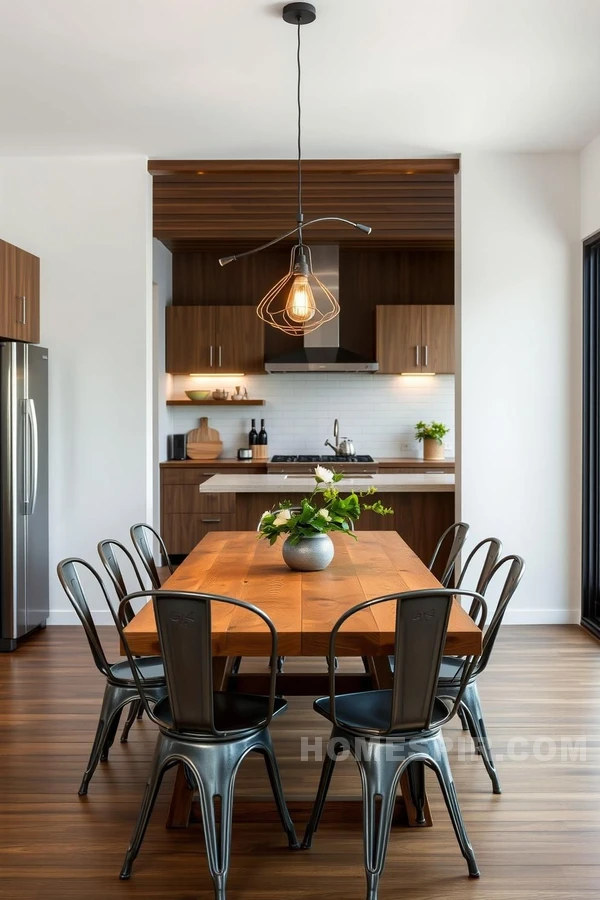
378 412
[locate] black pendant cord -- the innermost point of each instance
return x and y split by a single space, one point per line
299 101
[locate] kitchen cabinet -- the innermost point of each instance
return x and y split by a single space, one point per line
214 339
415 339
186 515
19 294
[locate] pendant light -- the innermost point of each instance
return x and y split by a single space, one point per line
299 303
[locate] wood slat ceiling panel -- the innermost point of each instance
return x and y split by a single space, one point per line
249 202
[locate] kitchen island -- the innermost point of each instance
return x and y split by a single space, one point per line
423 504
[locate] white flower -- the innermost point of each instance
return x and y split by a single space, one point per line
266 513
324 514
326 475
283 516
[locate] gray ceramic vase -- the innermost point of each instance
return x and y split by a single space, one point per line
310 554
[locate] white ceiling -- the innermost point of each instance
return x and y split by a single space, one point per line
215 78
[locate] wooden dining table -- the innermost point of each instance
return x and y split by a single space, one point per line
304 606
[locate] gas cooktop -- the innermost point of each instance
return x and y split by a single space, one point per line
330 459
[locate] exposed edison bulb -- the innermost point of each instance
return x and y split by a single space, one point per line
300 306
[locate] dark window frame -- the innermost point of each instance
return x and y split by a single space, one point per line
590 572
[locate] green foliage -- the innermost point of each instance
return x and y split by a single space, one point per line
435 431
325 510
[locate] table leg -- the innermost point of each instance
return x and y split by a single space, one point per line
180 808
414 805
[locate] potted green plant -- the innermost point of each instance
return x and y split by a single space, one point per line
306 527
432 436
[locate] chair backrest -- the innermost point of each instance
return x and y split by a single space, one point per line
420 635
143 537
457 533
492 555
68 576
183 621
109 552
511 582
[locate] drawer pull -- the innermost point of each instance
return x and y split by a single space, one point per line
209 521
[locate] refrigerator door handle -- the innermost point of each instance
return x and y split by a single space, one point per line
35 456
26 457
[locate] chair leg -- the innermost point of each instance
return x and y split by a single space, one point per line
235 666
474 715
150 794
317 811
379 783
136 709
112 703
441 766
213 782
110 738
277 788
463 718
416 781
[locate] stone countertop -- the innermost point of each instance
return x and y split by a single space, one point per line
303 484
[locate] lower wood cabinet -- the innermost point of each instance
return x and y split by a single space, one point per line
182 531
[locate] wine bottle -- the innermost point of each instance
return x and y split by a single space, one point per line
252 435
262 434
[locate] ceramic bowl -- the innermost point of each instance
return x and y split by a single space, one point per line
198 395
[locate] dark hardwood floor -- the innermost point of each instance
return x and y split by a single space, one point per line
538 841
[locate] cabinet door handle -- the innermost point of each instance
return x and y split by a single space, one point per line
220 355
211 356
210 521
23 319
417 348
425 350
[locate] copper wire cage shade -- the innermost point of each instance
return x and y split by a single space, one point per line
275 308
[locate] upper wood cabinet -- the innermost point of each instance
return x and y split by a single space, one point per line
415 339
214 339
19 294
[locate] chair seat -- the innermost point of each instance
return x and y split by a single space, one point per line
450 670
151 667
370 710
232 712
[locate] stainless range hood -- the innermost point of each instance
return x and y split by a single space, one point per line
322 351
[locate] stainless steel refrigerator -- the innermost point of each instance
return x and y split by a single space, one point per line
24 564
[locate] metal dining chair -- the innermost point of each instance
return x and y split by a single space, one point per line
392 731
110 553
143 537
210 732
452 669
121 687
458 531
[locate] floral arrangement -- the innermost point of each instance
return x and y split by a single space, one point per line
325 510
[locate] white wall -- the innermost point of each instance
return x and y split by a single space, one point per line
88 219
520 381
590 188
378 412
162 277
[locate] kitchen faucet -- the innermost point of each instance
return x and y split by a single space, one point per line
345 447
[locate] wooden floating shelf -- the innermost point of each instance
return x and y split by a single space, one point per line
216 402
